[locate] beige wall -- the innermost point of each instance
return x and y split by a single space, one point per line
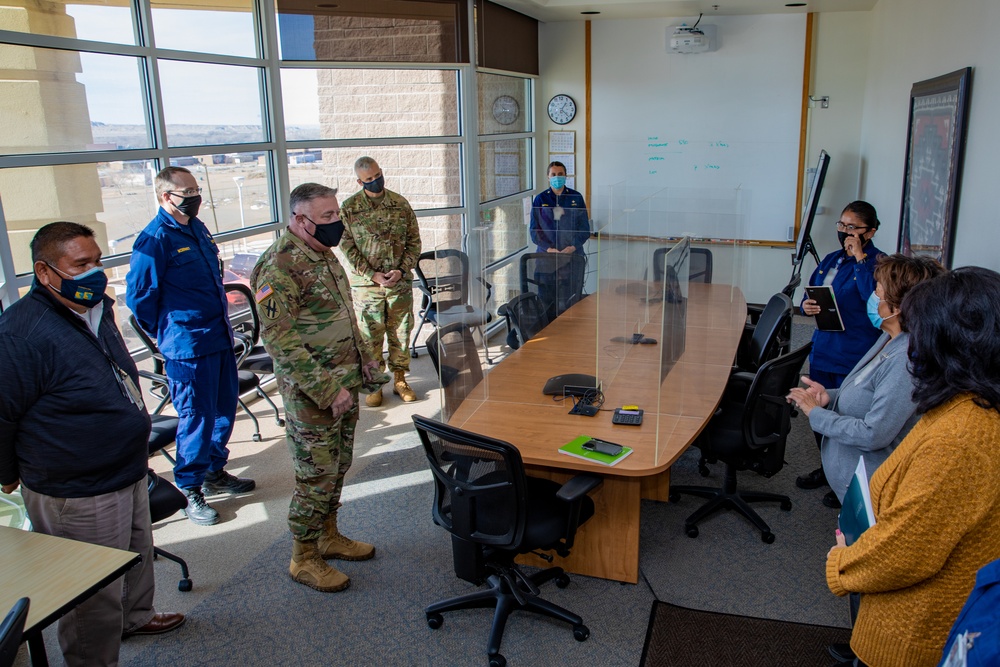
562 65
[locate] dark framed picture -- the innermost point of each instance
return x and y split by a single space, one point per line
934 147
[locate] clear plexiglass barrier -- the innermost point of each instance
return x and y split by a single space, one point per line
634 303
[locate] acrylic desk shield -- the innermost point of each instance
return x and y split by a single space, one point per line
668 270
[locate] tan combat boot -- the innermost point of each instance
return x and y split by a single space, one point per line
374 399
309 568
400 387
334 545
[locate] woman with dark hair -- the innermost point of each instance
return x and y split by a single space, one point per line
850 271
871 412
937 497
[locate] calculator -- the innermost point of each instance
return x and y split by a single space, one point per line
631 417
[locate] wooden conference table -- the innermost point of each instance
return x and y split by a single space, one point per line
509 405
57 574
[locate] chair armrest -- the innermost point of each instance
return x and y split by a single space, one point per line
578 487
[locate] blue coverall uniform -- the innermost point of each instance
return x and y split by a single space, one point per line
571 229
835 353
174 289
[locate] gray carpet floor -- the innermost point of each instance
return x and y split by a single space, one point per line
246 610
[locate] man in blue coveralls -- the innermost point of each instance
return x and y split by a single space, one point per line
559 224
175 292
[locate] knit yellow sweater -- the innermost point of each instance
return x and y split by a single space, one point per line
937 511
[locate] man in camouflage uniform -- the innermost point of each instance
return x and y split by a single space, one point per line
382 245
320 361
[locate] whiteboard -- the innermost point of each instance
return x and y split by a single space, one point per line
725 119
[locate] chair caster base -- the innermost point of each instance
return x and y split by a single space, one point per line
498 661
256 437
184 585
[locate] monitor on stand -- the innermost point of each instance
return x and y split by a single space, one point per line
804 244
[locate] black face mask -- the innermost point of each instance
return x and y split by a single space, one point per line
376 186
189 206
842 237
329 234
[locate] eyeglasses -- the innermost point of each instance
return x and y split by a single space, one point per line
841 227
190 192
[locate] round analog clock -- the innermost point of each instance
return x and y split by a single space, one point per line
562 109
506 110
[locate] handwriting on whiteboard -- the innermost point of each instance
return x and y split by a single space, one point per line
697 154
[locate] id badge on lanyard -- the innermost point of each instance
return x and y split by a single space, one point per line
129 388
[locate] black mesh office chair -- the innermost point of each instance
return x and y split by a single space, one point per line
445 287
749 435
556 278
456 361
248 380
165 499
701 265
12 630
494 512
769 337
525 316
243 316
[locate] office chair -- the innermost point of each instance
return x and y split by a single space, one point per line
247 380
556 278
456 362
165 499
494 512
12 630
701 265
769 337
443 281
749 435
525 316
243 316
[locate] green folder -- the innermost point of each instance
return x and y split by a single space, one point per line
575 448
857 514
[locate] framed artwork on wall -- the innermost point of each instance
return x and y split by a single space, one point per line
935 144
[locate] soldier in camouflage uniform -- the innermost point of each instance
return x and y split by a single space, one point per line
320 361
382 244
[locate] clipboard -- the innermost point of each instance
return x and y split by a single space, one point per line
828 318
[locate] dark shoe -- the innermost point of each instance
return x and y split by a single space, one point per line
841 652
222 482
813 480
159 624
198 509
830 500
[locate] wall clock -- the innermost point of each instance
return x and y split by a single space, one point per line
506 110
562 109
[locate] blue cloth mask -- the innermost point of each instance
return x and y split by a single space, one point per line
86 289
872 306
557 182
376 186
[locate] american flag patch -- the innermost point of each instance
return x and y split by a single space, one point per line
262 293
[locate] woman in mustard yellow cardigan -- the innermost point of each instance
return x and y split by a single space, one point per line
937 497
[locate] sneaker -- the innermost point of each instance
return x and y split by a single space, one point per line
222 482
198 509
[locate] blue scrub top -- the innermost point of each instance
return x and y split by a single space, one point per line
174 288
839 351
572 229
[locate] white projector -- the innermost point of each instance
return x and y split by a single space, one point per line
684 39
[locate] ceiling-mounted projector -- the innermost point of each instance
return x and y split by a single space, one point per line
695 39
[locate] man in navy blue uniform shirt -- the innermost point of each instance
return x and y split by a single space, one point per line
175 292
559 224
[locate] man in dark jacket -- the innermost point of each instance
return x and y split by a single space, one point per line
74 434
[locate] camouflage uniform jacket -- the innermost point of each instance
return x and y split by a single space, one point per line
308 324
379 238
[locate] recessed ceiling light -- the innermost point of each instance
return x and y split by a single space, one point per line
795 4
590 12
328 6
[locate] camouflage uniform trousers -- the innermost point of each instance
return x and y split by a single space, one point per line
386 313
321 456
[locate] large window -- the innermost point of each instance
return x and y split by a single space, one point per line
100 95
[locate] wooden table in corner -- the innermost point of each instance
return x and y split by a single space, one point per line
56 574
509 405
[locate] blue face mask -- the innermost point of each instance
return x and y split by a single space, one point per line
872 305
557 182
86 289
375 187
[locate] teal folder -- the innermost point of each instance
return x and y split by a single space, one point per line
857 515
575 448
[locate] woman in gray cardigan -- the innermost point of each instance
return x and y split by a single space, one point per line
872 411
